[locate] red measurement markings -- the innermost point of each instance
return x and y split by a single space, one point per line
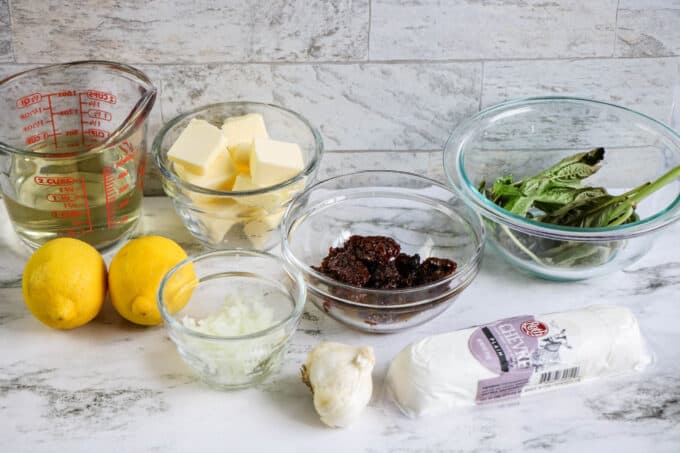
98 133
123 219
33 139
109 189
62 197
95 123
124 188
54 180
54 131
123 174
123 203
99 114
34 125
82 131
33 111
68 112
101 96
31 99
127 147
87 205
68 214
125 159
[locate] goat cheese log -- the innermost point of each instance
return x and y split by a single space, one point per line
514 356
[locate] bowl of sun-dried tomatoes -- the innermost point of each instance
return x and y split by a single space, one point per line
382 251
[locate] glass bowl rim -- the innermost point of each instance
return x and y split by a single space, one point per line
170 175
470 267
300 296
494 212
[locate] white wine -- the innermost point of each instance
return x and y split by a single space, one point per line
94 198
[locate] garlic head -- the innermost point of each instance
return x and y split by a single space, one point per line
339 376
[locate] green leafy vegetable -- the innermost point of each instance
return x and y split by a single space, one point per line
558 196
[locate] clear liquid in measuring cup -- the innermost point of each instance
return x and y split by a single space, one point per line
66 201
75 190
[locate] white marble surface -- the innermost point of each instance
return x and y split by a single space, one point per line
112 386
648 28
628 82
5 32
161 31
492 29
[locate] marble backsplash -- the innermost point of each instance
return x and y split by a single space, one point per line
381 79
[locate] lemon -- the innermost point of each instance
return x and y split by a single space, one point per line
64 283
136 272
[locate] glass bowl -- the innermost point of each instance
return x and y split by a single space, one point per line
422 215
243 219
522 138
261 289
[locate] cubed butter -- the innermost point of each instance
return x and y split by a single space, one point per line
219 175
268 201
219 220
259 231
273 161
240 132
197 147
215 229
240 154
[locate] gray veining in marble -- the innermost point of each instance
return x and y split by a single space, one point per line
645 85
171 31
126 388
5 33
465 29
384 107
370 106
335 164
648 28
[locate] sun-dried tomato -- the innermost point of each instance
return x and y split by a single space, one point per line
375 262
434 269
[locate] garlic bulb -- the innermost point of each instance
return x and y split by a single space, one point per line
339 376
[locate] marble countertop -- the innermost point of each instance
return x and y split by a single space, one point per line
112 386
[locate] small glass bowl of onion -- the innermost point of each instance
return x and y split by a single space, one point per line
232 323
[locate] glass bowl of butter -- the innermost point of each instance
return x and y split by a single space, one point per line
232 168
236 317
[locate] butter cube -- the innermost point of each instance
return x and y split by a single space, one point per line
216 229
272 161
219 220
267 201
240 132
219 175
240 154
197 147
259 231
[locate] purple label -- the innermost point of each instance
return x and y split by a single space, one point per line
506 347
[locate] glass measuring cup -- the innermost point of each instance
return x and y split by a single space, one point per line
73 151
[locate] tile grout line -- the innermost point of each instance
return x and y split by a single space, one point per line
368 36
616 28
382 62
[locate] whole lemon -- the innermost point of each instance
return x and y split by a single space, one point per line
64 283
136 272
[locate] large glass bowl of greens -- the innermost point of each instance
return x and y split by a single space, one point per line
569 188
